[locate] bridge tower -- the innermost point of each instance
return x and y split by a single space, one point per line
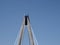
26 22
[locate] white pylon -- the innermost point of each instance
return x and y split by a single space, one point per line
26 22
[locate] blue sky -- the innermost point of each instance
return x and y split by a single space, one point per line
44 18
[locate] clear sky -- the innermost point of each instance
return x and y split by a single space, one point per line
44 18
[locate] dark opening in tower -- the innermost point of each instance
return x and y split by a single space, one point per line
26 17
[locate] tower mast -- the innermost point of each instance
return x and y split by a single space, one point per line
26 22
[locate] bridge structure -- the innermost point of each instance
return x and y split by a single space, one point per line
32 39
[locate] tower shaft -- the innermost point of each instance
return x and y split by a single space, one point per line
26 22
